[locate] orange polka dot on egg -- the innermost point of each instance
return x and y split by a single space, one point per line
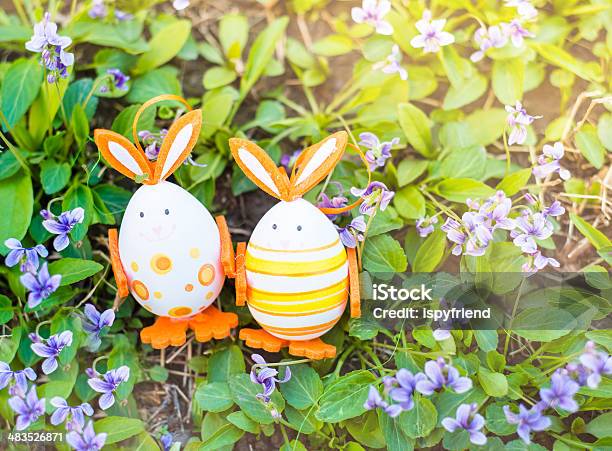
189 287
134 266
161 264
194 252
157 295
209 295
179 311
206 274
140 289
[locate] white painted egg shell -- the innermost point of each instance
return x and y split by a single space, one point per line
297 270
170 250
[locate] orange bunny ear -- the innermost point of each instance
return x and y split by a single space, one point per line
122 155
259 168
178 144
316 162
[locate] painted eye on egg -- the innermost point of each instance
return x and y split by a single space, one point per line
274 226
167 212
142 214
299 228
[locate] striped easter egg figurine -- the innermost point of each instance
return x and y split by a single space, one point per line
295 274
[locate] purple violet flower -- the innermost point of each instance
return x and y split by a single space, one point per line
487 38
117 80
86 440
517 33
376 193
439 375
266 377
548 162
180 5
51 46
28 408
63 225
166 441
288 160
596 363
531 226
524 8
108 384
375 401
77 414
51 349
407 382
518 119
561 392
555 209
377 153
94 322
537 261
391 64
425 225
152 142
334 202
527 420
432 36
18 252
20 376
466 418
98 10
40 285
353 232
373 13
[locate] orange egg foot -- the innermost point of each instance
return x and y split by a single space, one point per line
260 339
165 332
314 349
213 323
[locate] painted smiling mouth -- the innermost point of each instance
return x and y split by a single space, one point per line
156 238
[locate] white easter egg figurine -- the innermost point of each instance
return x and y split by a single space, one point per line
295 274
169 253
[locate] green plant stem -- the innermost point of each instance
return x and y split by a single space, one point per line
440 206
93 89
514 307
507 149
342 358
285 436
580 445
23 163
98 359
21 12
293 105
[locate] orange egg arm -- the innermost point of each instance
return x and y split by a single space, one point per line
355 297
228 260
241 282
120 277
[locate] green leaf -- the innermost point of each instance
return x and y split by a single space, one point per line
430 253
122 123
486 126
74 269
218 433
417 128
225 363
383 254
561 58
486 339
10 344
9 165
20 87
344 398
600 426
396 438
366 430
6 309
164 80
409 203
385 221
604 130
493 383
409 170
508 79
448 401
420 420
240 420
54 176
459 190
469 91
216 77
514 182
79 196
214 396
595 237
244 393
80 125
333 45
543 324
496 420
261 53
118 428
164 46
589 145
464 162
16 205
233 34
304 387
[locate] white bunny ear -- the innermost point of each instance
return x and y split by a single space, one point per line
259 168
178 144
122 155
316 162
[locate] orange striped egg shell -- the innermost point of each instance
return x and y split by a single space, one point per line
297 272
170 249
